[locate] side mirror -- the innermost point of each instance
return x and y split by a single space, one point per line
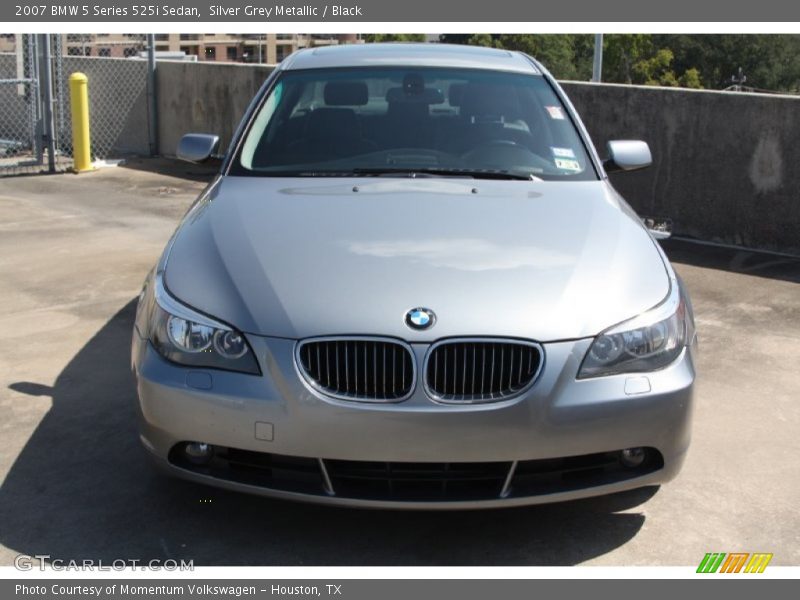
627 155
659 227
197 147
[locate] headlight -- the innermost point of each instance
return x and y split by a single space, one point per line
649 342
189 338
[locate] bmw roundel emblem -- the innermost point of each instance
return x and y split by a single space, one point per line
420 318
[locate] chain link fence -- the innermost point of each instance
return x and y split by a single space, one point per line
20 107
117 70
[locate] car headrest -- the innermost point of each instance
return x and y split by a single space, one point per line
454 93
346 93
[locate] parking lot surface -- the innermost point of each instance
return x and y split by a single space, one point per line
75 483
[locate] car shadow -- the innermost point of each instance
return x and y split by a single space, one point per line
82 488
172 167
733 260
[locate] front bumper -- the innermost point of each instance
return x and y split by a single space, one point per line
559 423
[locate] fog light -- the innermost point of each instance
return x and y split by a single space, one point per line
632 457
198 452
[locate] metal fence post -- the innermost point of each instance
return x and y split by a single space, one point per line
597 63
35 93
46 73
152 98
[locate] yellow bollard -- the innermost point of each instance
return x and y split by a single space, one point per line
81 138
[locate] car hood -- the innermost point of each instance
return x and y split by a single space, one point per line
320 256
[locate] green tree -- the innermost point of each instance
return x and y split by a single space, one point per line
690 79
770 62
394 37
556 52
641 59
481 39
622 55
565 56
584 56
627 58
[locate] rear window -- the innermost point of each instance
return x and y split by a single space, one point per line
368 120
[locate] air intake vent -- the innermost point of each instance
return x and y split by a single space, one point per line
481 370
363 369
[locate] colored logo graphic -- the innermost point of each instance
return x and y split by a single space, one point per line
420 318
735 562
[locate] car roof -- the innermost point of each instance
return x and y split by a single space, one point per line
409 54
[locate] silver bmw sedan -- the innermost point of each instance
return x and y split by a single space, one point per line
412 285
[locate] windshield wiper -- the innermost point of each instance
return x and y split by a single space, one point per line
445 172
406 172
309 173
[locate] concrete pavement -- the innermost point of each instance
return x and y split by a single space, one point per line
75 483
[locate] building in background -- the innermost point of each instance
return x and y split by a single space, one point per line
269 48
8 42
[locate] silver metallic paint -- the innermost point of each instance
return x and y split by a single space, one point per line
197 147
306 257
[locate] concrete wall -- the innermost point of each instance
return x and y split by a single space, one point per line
725 166
203 98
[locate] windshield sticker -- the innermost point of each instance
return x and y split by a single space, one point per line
562 152
555 112
568 165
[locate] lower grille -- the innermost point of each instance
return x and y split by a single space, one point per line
417 481
481 370
553 475
261 469
420 482
377 370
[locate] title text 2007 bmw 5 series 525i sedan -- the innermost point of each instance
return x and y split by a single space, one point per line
412 285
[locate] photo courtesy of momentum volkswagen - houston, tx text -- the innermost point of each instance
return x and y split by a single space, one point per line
411 285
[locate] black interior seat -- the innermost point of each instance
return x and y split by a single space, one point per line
334 131
408 122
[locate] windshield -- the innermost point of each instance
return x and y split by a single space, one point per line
413 121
